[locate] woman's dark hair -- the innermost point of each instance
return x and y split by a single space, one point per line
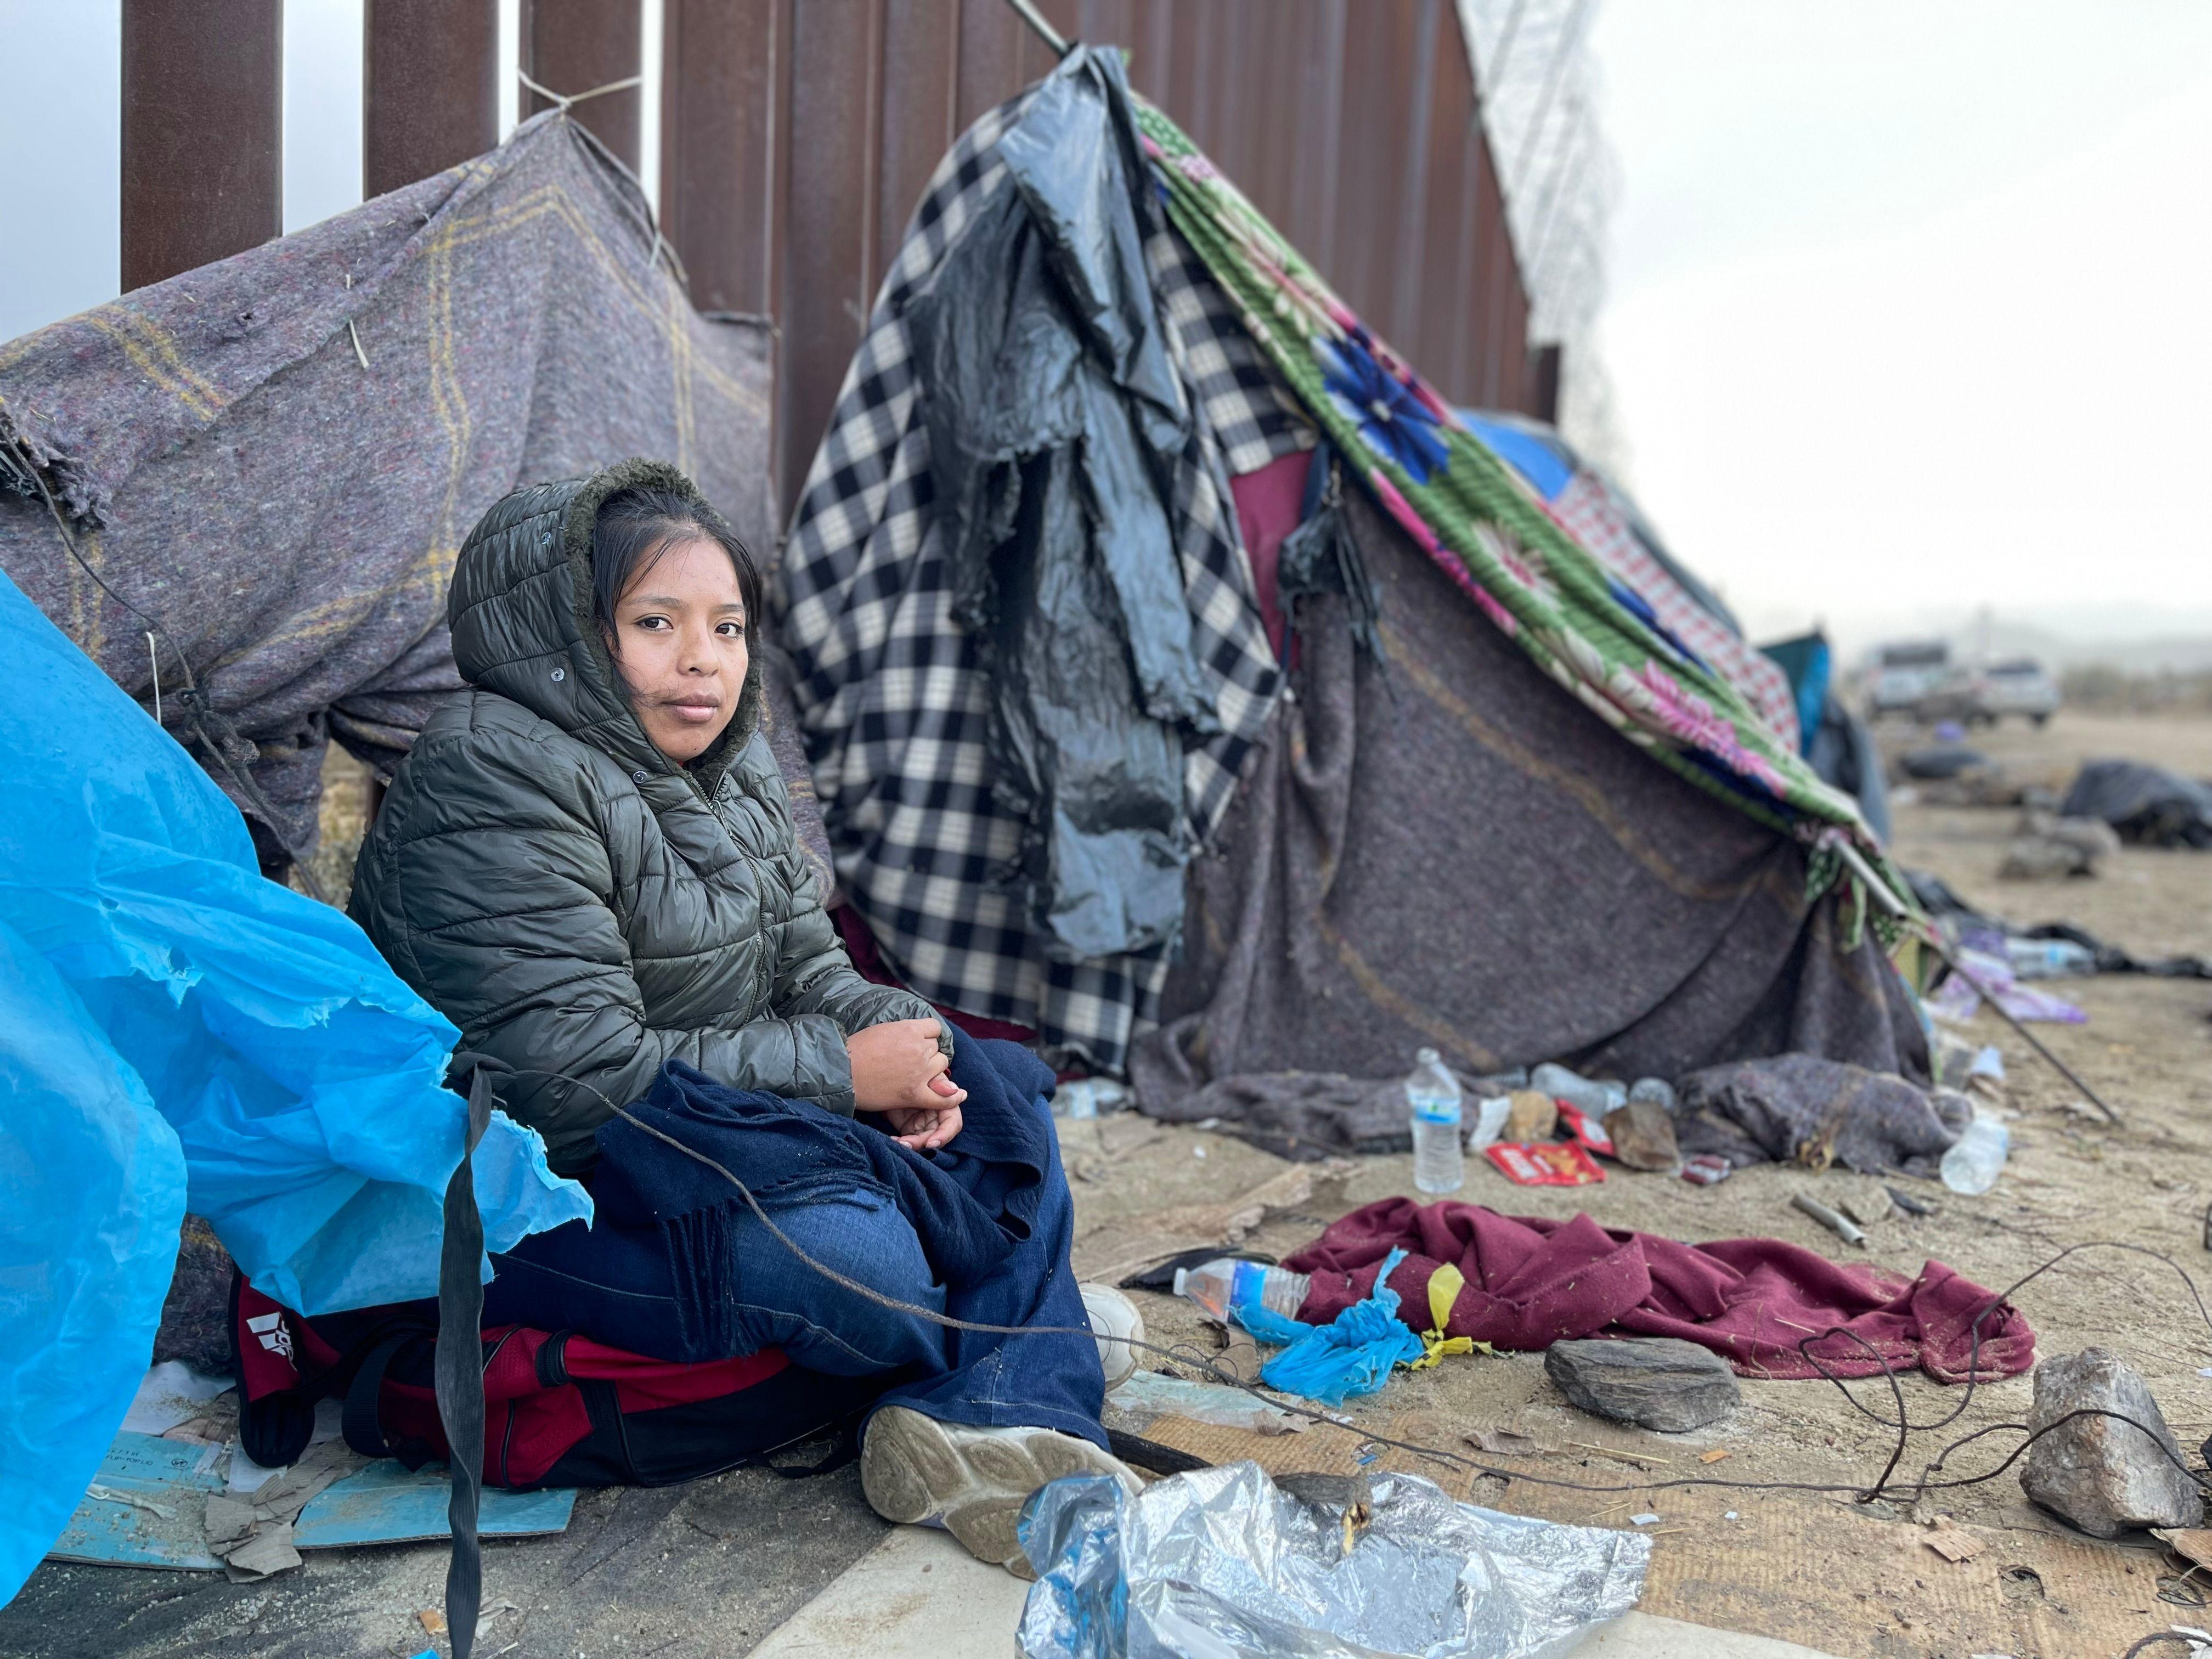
636 526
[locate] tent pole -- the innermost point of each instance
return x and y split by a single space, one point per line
1035 19
1891 903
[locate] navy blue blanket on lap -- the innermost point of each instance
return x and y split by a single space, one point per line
969 1203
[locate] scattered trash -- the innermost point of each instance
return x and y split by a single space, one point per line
2148 805
1596 1098
1432 1100
1843 1228
1957 999
1352 1355
1531 1116
1658 1091
432 1620
1160 1276
1586 1130
1222 1560
1868 1207
2049 848
1646 1519
1551 1164
1199 1152
1115 1323
1643 1135
2048 958
1502 1443
1973 1165
1490 1116
1707 1170
1090 1097
1731 1515
171 1394
1212 1403
1803 1109
2192 1544
1225 1283
1713 1456
2105 1476
1906 1202
1951 1542
1655 1382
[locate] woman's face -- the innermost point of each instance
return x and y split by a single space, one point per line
680 644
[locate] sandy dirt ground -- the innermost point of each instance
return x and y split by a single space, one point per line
1823 1569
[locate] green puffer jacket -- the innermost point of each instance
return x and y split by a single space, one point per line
575 900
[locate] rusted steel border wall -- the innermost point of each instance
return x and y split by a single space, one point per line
796 134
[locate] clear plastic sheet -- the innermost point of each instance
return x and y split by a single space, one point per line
1222 1563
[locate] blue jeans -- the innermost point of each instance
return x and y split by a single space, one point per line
619 1285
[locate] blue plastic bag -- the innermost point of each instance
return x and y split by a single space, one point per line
296 1083
1353 1354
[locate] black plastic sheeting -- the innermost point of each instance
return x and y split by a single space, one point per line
2147 804
1942 901
1055 415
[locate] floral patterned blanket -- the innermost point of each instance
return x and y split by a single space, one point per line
1584 628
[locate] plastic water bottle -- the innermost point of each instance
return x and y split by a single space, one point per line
1432 1094
1972 1165
1591 1097
1217 1286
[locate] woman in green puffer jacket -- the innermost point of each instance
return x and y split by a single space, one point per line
588 863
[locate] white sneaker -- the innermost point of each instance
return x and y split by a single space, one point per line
972 1482
1115 1322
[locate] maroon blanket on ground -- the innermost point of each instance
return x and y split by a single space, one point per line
1532 1282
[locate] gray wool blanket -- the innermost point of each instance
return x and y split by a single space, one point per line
274 458
1448 850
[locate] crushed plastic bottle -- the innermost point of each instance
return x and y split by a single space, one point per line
2049 958
1216 1286
1594 1099
1973 1165
1432 1096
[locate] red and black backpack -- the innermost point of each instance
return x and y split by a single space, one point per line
560 1410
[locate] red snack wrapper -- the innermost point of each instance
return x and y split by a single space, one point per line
1585 1128
1707 1168
1550 1163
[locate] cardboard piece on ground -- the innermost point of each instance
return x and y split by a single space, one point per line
383 1503
1137 1241
144 1509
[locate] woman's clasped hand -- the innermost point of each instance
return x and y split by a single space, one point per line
899 1070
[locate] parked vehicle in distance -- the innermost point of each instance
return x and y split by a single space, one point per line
2018 685
1984 695
1904 673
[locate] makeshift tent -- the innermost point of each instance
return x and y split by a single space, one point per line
178 1032
1459 844
273 459
1789 682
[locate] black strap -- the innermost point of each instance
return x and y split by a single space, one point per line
363 1420
458 1368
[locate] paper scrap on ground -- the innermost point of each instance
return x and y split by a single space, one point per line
171 1393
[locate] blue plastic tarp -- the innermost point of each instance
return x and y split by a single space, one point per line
1545 468
178 1032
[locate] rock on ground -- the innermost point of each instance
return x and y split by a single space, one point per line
2105 1476
1658 1381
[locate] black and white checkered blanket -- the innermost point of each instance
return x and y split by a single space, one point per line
892 701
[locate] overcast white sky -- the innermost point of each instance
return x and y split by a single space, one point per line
1912 304
1911 300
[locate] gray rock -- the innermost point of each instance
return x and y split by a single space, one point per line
2105 1476
1658 1381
